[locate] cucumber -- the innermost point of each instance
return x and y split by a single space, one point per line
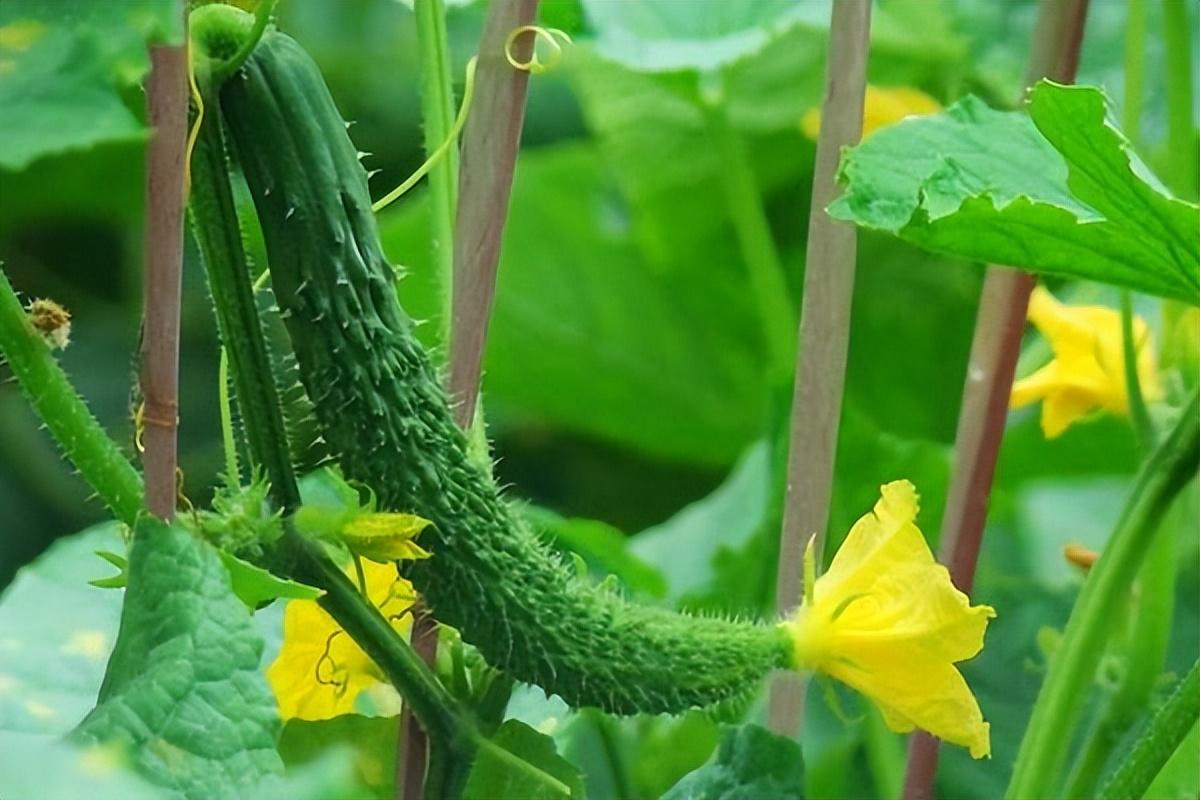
385 416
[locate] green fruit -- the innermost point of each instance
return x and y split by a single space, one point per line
385 415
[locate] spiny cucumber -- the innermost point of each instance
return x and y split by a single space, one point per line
385 415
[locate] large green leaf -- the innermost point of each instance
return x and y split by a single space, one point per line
750 763
1056 191
62 65
183 693
587 336
686 548
43 766
663 35
522 763
365 745
56 632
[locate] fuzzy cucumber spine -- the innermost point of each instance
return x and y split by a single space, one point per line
385 415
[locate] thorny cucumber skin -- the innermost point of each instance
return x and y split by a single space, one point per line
384 413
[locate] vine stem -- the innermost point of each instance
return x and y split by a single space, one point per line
1181 131
64 413
1162 737
1168 469
219 236
995 349
753 231
167 114
437 109
824 335
489 156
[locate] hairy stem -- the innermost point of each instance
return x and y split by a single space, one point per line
218 232
167 114
84 442
995 350
1172 465
1162 737
824 333
489 156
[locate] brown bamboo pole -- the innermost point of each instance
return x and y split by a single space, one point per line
1003 305
489 156
824 336
167 115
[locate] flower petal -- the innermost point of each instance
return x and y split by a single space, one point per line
320 671
915 690
885 538
914 606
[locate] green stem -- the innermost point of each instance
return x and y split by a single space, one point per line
217 29
1151 610
1143 426
745 205
1168 469
85 443
1181 133
439 713
1135 70
437 110
885 755
233 475
218 232
1171 723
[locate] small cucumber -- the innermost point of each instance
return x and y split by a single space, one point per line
385 415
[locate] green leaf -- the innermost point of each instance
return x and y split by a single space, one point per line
254 585
750 763
666 35
604 548
1057 191
522 763
55 633
183 693
366 745
38 766
685 548
623 351
61 68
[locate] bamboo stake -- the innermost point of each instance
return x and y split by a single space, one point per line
167 114
995 348
824 336
489 156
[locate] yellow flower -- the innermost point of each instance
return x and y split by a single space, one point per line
882 106
1088 369
886 621
320 670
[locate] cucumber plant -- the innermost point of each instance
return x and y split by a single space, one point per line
384 413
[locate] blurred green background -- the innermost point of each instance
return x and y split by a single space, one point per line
626 384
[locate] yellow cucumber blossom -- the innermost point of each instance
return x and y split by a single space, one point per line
882 106
886 621
320 670
1087 372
